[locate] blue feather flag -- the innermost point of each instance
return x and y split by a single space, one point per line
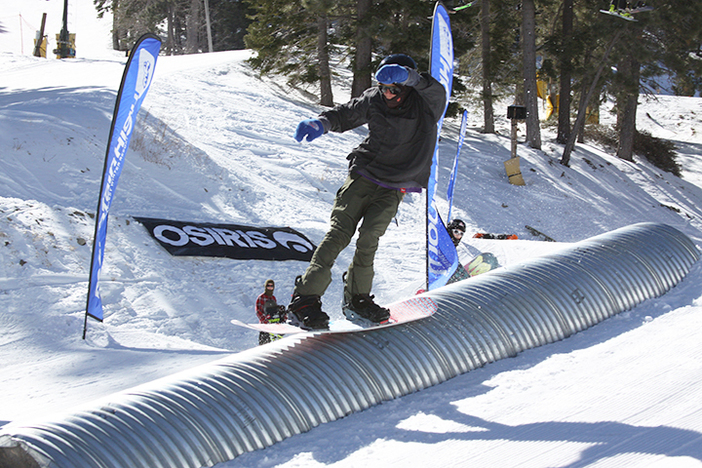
138 74
442 259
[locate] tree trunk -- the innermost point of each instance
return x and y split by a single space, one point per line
594 107
170 25
326 97
364 43
582 108
116 30
529 51
488 111
626 118
565 69
192 28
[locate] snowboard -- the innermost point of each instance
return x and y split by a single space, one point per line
409 310
621 14
490 236
537 233
482 263
462 7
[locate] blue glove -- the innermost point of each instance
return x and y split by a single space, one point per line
310 128
392 73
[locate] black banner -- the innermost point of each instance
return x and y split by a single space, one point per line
229 240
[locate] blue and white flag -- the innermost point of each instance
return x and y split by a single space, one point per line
442 259
454 171
136 80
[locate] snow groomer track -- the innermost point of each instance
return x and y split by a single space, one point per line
258 397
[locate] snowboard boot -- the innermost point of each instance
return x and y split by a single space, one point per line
362 306
308 312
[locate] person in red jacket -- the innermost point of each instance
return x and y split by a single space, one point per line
268 311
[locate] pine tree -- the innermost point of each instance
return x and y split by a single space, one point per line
291 38
663 42
488 110
529 54
565 69
363 54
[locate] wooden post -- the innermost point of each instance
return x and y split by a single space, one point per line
514 138
40 39
514 173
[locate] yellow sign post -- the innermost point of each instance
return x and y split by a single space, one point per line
514 173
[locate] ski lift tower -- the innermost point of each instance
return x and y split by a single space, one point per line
66 42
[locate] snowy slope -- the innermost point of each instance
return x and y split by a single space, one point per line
213 143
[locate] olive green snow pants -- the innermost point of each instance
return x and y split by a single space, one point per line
357 199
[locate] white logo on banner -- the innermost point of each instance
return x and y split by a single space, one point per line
204 236
298 243
145 73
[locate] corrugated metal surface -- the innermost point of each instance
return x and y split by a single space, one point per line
259 397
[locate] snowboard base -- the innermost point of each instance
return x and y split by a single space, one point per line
630 12
619 15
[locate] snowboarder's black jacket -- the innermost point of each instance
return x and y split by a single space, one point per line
398 150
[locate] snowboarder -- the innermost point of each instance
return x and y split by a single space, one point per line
395 157
456 229
268 311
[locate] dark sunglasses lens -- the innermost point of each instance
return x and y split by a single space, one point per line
392 89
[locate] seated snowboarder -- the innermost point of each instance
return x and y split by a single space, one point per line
456 229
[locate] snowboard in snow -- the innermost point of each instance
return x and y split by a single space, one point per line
536 232
482 263
411 309
491 236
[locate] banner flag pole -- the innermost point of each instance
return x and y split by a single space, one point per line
138 73
454 171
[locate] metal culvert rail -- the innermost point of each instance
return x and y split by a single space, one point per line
256 398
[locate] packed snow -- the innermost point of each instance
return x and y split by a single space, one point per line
214 143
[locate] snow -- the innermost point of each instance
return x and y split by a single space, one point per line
214 143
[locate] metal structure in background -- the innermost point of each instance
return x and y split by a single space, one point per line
258 397
65 47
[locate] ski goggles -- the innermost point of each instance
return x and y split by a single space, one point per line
392 89
457 233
